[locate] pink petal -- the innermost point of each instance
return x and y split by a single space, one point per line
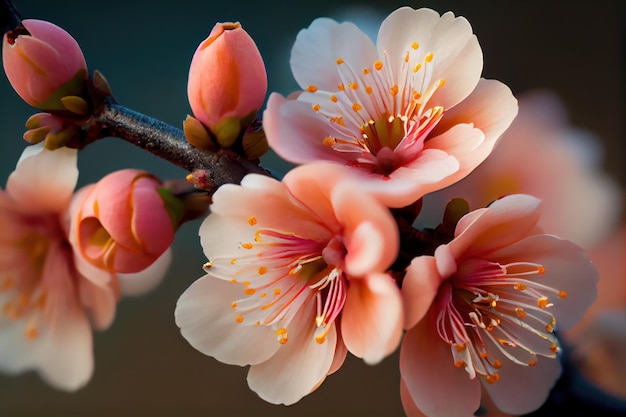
208 322
491 108
298 367
295 132
409 406
99 301
419 289
371 322
427 368
503 223
412 181
537 381
315 52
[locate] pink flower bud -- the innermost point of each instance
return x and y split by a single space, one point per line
227 77
44 64
124 222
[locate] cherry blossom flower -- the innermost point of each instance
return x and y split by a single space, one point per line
485 308
410 114
49 306
295 279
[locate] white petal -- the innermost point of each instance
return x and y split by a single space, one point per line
298 366
315 52
44 180
207 320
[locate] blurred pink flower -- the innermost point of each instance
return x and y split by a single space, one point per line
227 77
410 114
543 155
43 63
123 223
49 305
295 277
486 305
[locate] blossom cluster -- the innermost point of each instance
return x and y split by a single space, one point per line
305 269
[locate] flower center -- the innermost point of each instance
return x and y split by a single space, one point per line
381 107
490 313
282 272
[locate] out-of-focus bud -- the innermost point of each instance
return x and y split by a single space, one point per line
125 221
45 64
54 131
227 82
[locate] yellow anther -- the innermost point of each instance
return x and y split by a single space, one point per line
234 281
189 178
328 141
497 364
356 107
281 335
366 71
276 291
262 270
542 302
353 85
394 90
369 89
333 98
519 311
207 264
493 378
415 45
233 261
519 286
311 89
428 57
532 363
441 83
249 291
341 87
247 245
417 67
459 364
239 319
316 107
406 57
554 348
562 294
340 61
378 65
541 270
233 304
252 220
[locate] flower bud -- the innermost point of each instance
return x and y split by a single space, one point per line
125 222
44 64
227 82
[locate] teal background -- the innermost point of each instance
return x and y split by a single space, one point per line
143 366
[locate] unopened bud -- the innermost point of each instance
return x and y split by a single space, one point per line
227 82
44 64
126 221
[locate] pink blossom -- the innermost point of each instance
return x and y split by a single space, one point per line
123 223
542 154
484 308
44 63
296 276
227 77
410 114
49 306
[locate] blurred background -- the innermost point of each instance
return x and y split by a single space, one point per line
143 366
